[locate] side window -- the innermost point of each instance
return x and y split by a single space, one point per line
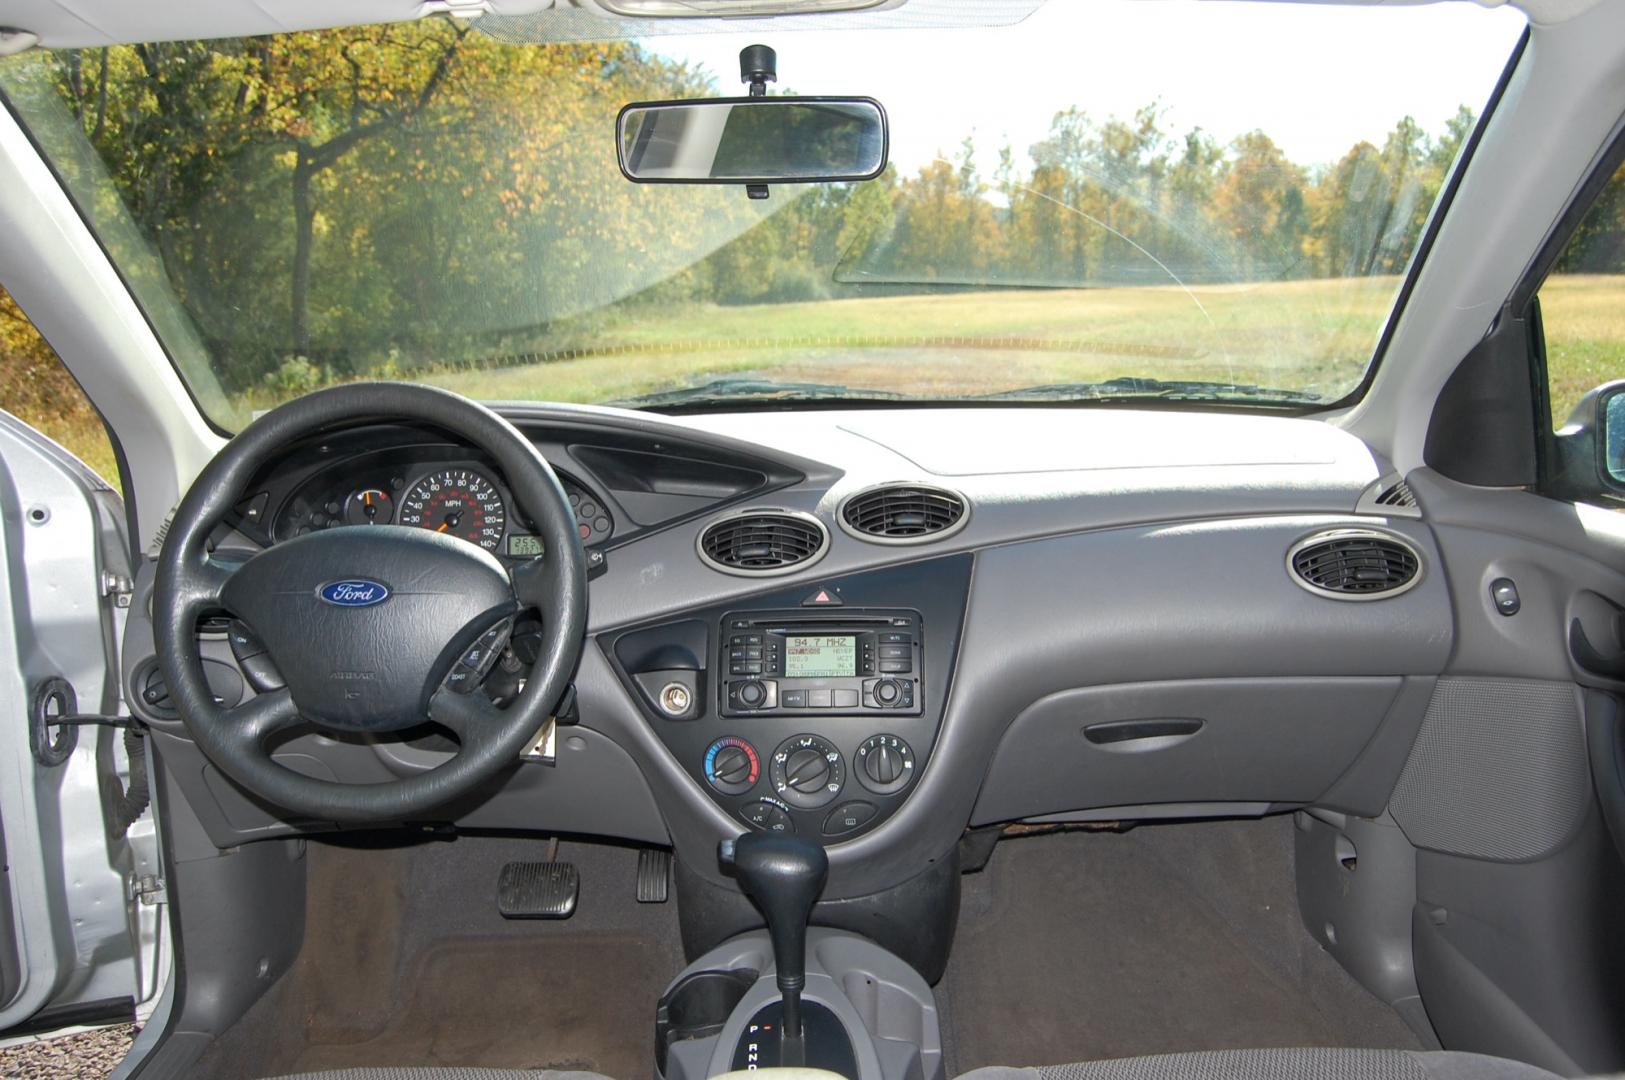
37 389
1582 305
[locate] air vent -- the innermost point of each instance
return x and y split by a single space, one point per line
903 513
1354 564
763 542
1398 495
1390 496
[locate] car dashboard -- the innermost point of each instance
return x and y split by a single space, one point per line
1062 615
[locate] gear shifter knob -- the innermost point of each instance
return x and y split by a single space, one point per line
784 875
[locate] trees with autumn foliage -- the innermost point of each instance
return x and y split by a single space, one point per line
365 200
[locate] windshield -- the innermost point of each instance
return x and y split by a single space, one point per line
1085 202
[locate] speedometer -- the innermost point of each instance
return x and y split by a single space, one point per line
456 501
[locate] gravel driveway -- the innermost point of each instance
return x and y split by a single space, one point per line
88 1055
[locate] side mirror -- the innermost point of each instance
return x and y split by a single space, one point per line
1611 433
1591 445
753 140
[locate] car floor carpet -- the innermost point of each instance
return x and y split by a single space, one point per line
407 962
1080 945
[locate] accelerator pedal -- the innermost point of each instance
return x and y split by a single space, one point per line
538 890
654 875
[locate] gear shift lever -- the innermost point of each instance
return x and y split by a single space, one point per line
784 875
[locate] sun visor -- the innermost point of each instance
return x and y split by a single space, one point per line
597 20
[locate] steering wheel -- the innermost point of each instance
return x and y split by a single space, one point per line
370 628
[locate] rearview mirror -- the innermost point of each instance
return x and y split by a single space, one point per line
754 140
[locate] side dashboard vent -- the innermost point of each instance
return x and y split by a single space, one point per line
1354 564
761 543
903 513
1390 496
1398 495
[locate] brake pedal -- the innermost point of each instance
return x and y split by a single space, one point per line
538 890
654 875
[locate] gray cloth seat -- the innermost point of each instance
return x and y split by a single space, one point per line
1295 1064
441 1072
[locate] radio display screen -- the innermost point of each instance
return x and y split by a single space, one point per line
820 656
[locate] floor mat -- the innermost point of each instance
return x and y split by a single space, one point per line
584 1004
1085 945
407 962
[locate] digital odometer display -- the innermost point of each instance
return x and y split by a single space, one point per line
820 657
460 502
524 546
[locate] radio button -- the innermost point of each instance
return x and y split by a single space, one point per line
895 666
818 699
793 699
896 652
894 638
747 667
844 699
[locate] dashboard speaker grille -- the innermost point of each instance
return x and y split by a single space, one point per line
1355 564
763 542
903 513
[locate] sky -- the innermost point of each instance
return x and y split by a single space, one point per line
1316 77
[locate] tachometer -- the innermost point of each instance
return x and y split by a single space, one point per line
456 501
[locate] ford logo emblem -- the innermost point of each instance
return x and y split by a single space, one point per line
356 592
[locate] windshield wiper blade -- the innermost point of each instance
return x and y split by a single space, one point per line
725 391
1140 388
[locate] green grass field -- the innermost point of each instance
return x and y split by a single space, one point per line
1311 335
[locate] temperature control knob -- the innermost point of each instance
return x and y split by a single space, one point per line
731 765
807 772
885 764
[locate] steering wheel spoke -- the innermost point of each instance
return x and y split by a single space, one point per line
260 717
471 716
205 584
532 585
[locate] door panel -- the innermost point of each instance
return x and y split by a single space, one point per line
1517 941
72 932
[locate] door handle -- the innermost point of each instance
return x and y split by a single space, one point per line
1592 659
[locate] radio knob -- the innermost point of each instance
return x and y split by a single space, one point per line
752 695
887 692
807 770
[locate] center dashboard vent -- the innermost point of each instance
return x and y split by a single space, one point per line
1354 564
903 513
762 543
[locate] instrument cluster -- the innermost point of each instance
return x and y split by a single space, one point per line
463 499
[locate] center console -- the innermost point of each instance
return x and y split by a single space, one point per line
807 711
795 996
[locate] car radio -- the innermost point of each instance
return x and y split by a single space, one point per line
792 663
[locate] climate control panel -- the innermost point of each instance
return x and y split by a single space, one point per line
812 710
